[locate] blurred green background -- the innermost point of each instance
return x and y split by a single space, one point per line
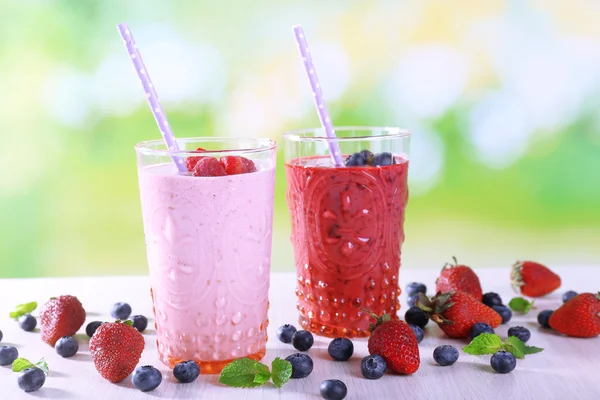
502 98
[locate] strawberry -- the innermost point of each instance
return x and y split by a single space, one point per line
237 165
396 342
208 166
116 348
60 316
533 279
456 312
578 317
459 278
191 162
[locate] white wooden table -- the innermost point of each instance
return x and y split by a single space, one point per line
567 369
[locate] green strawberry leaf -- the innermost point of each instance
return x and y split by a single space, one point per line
43 365
244 373
282 371
486 343
20 364
128 322
520 304
23 309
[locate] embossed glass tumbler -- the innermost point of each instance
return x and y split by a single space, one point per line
208 245
347 225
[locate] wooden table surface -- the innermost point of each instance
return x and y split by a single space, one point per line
567 369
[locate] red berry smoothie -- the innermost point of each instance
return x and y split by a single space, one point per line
347 231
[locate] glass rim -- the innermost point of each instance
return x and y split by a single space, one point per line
146 147
390 132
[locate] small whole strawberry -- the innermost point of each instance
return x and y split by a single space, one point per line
578 317
60 316
533 279
191 162
458 278
457 312
396 342
208 166
116 348
235 165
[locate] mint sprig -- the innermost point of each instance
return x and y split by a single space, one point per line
489 343
521 304
247 373
23 309
21 364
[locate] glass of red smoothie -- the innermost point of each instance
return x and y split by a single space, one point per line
347 225
208 245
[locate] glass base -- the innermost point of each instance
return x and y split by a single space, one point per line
210 367
332 331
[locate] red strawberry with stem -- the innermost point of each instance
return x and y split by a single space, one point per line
456 312
396 342
459 278
116 348
237 165
578 317
533 279
208 166
191 162
60 316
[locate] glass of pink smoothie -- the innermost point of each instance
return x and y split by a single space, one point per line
208 245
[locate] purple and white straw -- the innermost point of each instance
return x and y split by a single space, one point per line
334 148
155 107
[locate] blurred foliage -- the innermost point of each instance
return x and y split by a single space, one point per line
526 186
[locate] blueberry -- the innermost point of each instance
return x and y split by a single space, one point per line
90 329
340 349
492 299
285 333
140 322
355 160
416 316
302 365
503 362
368 156
146 378
504 312
8 354
66 346
445 355
31 379
121 311
186 371
520 332
373 366
418 332
569 295
544 318
27 322
1 335
412 300
333 389
415 287
478 328
383 159
302 340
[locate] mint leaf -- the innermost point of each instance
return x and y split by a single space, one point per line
515 346
532 349
282 371
520 304
43 365
244 373
23 309
486 343
20 364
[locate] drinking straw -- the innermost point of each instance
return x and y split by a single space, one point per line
311 73
151 95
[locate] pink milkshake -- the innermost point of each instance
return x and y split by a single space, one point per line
208 242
